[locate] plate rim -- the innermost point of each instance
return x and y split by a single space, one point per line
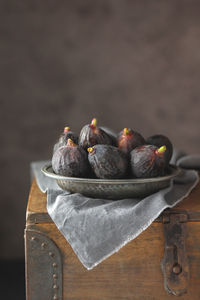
46 172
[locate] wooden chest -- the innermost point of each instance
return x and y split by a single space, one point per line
53 270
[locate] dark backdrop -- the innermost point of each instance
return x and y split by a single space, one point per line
129 63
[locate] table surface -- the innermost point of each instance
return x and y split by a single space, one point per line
37 212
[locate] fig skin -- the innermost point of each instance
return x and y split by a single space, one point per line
65 135
111 134
108 162
158 140
71 160
129 140
91 135
148 161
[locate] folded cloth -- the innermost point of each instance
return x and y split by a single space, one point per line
43 181
97 228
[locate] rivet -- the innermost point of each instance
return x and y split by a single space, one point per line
55 276
33 238
43 245
177 269
54 265
55 287
51 254
55 298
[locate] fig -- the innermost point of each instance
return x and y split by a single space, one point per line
158 140
91 135
129 140
108 161
111 134
70 160
65 135
148 161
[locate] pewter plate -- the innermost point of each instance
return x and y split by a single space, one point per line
113 188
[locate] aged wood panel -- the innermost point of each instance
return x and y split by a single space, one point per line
133 273
36 207
37 213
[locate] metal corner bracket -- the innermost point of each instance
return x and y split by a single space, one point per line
174 265
43 267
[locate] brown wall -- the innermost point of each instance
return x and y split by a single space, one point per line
129 63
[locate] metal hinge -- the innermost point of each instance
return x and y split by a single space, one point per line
175 263
43 267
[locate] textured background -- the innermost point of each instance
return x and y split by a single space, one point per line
129 63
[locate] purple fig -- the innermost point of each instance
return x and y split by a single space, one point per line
129 140
158 140
70 160
65 135
108 161
148 161
111 134
91 135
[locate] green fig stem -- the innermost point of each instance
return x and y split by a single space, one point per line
70 143
90 150
161 150
126 131
94 122
66 129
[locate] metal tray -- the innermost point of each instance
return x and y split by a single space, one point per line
112 188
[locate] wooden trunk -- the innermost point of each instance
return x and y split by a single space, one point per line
53 270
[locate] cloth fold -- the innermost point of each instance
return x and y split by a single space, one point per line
43 181
97 228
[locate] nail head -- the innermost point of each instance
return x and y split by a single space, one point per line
43 245
177 269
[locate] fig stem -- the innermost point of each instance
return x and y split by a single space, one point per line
126 131
70 143
94 122
162 149
66 129
90 149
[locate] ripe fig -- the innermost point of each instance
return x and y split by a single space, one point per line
158 140
129 140
108 161
65 135
148 161
91 135
71 160
111 134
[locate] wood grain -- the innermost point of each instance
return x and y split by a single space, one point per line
37 212
133 273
